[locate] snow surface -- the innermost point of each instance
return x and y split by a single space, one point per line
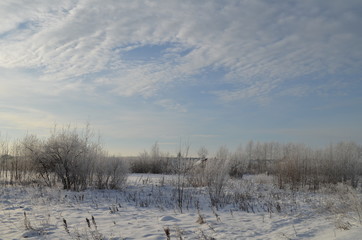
146 209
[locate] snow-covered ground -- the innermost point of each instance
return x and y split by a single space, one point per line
147 209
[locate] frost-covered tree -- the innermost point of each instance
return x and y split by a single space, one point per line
68 154
33 151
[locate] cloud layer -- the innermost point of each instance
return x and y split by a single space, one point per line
258 44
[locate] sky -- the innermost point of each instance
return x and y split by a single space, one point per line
202 73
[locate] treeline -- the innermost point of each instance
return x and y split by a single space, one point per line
69 156
75 159
293 165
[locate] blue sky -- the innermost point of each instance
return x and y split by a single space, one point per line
213 73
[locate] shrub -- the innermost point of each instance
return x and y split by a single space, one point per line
110 173
68 155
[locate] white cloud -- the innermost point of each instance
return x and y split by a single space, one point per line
254 41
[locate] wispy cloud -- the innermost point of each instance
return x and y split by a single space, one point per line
251 40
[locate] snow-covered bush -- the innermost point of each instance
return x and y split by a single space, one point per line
68 155
110 173
33 151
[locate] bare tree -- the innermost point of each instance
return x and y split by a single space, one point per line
33 151
68 153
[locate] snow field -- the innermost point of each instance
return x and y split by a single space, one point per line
252 208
